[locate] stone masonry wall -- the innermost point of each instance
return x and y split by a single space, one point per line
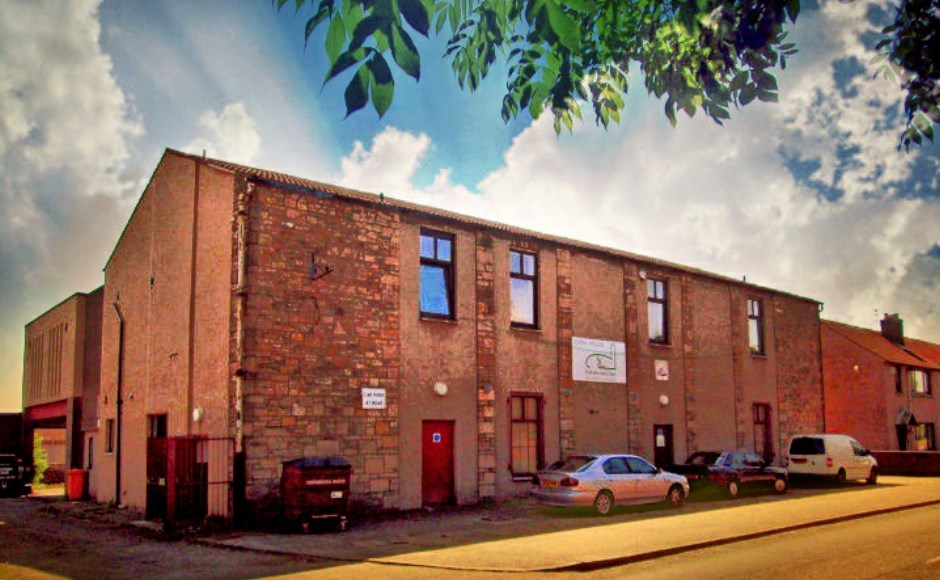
312 345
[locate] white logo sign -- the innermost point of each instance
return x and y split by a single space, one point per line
373 398
598 361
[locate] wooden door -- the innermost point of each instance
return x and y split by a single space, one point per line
663 454
437 462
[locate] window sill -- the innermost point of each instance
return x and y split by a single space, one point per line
922 395
424 318
522 478
759 355
525 329
660 345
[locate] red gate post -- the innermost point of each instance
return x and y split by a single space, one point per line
171 481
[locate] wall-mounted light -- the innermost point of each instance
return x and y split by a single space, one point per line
197 414
440 389
664 400
642 274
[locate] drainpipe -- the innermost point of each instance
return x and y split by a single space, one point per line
241 302
120 403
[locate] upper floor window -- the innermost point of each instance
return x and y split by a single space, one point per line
109 436
523 288
657 306
437 275
898 384
755 326
920 382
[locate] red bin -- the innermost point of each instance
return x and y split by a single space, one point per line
316 488
76 484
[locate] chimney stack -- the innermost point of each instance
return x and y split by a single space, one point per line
892 328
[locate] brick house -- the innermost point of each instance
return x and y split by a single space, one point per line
446 357
61 375
880 386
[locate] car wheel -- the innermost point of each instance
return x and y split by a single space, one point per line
676 496
733 488
840 477
872 477
780 485
604 502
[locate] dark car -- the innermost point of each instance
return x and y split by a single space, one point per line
733 472
695 468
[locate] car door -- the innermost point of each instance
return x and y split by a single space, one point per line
648 484
618 480
860 460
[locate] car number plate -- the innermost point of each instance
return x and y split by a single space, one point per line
549 484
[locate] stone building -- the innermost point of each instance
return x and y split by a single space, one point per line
445 357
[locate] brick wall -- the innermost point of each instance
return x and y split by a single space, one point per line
799 374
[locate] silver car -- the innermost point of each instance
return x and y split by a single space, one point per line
608 480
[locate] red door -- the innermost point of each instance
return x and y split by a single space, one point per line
437 462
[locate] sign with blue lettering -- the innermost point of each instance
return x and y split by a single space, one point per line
436 438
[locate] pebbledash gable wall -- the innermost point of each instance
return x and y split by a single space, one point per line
279 354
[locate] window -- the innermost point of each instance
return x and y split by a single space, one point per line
156 426
924 437
523 288
898 384
657 305
437 275
616 466
109 436
91 453
640 466
755 326
920 382
526 434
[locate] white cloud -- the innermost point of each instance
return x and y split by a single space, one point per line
723 198
64 137
231 135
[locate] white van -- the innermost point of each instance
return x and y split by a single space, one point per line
830 455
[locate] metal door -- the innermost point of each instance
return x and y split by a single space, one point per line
437 462
662 445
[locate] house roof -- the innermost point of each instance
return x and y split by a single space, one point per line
290 181
915 353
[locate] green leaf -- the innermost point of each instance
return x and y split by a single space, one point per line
748 94
335 38
345 60
563 26
405 53
366 28
416 15
383 85
357 92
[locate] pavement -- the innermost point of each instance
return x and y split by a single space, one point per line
523 536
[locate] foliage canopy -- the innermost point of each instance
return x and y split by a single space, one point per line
701 55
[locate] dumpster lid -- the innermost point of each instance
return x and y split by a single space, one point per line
307 462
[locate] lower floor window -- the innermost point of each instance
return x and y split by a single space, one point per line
924 437
526 433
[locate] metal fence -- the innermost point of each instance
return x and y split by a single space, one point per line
190 479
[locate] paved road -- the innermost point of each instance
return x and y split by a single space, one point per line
39 539
897 545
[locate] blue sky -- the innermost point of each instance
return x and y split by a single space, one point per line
809 195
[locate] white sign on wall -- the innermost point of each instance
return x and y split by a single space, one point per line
598 361
662 370
373 398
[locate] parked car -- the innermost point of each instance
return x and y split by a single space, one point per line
604 481
695 468
731 471
831 455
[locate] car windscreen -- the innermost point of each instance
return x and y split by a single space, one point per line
807 446
573 463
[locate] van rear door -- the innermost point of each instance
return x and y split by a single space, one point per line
807 455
